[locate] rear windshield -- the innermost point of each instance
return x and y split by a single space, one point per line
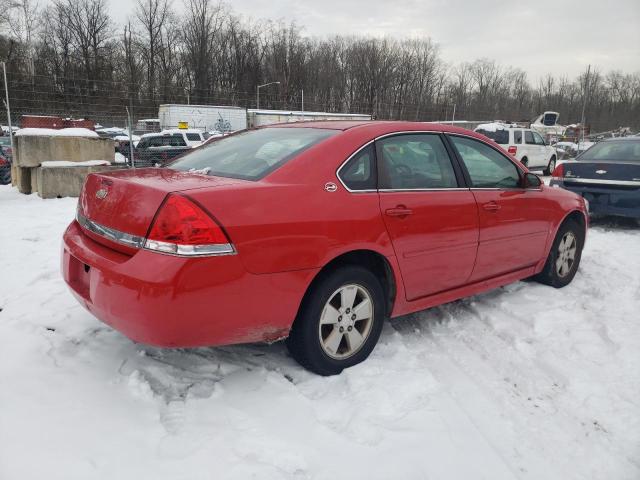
252 154
498 136
621 150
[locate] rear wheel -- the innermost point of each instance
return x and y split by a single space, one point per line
339 322
564 257
551 166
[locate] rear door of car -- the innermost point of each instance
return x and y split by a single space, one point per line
514 221
430 215
541 151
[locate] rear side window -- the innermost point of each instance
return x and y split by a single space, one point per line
486 167
528 138
416 161
517 137
360 172
193 137
499 136
252 154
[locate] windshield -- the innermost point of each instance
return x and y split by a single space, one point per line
498 136
251 154
620 150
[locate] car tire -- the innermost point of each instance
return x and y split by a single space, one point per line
564 258
339 322
551 166
525 161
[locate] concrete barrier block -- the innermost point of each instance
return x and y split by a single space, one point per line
14 174
31 151
55 182
34 179
23 179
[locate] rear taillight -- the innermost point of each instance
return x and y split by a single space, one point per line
183 228
512 150
3 162
558 172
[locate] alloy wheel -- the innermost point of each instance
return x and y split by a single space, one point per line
345 322
566 254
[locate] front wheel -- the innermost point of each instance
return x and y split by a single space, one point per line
339 322
564 257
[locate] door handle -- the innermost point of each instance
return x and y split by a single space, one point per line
399 211
491 206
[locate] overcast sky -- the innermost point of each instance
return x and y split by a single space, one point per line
540 36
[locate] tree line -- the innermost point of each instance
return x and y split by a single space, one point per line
72 58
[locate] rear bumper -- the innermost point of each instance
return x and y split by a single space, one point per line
170 301
607 201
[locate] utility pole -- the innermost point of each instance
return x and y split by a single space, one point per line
131 159
584 101
6 104
258 92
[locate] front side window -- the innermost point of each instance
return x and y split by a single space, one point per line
360 172
487 167
251 154
528 138
414 161
538 139
193 137
175 140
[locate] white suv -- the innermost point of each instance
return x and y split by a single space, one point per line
192 138
524 144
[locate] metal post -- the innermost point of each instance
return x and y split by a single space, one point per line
258 92
584 102
302 100
131 159
6 91
453 118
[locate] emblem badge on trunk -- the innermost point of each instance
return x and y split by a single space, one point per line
601 172
100 194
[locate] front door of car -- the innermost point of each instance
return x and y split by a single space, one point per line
432 220
514 221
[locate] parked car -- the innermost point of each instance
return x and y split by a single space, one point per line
5 146
159 148
607 175
316 231
524 144
5 168
192 137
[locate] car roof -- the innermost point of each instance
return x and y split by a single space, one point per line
617 139
378 127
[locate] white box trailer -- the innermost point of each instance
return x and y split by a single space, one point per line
202 117
258 118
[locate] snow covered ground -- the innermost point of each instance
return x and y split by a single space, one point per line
524 382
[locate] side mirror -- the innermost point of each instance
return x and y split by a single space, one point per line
531 181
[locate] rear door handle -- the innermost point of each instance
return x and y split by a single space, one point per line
491 206
399 211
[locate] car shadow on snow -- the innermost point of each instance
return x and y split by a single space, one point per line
614 223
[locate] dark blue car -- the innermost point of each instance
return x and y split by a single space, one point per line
607 175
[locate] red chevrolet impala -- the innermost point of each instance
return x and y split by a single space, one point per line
315 231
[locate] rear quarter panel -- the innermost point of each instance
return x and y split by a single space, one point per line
289 221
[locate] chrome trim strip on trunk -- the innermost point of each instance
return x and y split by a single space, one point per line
627 183
112 234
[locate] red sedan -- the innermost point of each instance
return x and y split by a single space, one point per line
314 231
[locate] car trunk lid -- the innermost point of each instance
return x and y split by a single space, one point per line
603 174
127 201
